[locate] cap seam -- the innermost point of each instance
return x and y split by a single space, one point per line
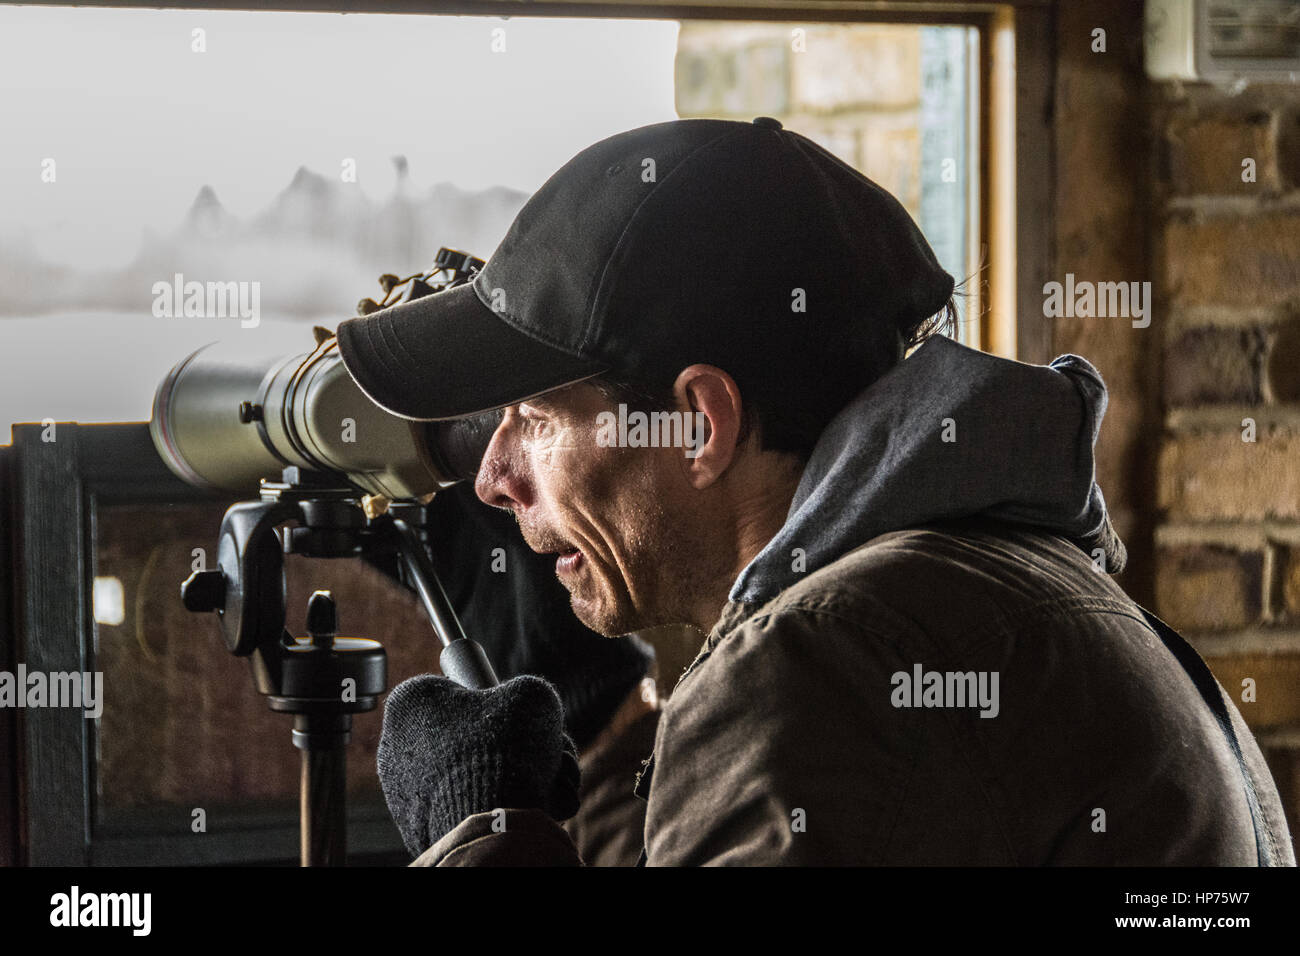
392 362
513 322
367 391
622 236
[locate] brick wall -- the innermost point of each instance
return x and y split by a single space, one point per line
1149 186
854 90
1227 258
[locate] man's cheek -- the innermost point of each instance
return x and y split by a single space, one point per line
557 461
566 452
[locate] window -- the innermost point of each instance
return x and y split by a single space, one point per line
260 162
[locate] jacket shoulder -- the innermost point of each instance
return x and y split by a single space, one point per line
955 584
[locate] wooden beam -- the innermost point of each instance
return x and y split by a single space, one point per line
52 582
1035 177
11 844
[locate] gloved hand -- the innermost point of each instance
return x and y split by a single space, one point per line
446 753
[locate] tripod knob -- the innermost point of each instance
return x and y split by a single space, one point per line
325 673
204 591
322 619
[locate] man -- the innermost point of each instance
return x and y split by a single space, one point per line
914 653
508 598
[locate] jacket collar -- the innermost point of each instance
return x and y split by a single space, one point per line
950 432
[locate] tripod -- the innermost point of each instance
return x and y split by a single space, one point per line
322 680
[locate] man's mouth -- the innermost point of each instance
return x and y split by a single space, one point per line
568 558
568 561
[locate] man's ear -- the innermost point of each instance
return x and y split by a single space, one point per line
711 402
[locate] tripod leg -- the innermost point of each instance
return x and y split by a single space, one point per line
324 807
323 792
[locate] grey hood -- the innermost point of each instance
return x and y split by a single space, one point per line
1020 450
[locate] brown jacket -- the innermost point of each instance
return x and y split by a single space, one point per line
793 739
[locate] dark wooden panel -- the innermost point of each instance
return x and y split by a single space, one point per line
52 586
10 848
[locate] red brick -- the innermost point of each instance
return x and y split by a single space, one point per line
1204 587
1276 676
1206 153
1214 365
1216 475
1243 261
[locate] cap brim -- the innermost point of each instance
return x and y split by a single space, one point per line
447 355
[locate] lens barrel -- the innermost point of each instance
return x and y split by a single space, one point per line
224 419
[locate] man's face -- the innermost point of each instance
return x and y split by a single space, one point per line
617 519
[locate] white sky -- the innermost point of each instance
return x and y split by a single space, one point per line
137 122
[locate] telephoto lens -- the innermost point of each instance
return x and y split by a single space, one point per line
225 418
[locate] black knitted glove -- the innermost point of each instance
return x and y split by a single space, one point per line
446 753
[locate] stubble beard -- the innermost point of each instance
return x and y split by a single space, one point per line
667 564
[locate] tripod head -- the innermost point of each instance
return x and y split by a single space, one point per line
322 679
247 591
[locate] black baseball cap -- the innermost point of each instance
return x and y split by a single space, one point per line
741 245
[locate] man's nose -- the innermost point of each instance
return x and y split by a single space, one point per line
500 481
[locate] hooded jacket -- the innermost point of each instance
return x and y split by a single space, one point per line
928 664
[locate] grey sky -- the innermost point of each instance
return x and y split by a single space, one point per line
137 122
